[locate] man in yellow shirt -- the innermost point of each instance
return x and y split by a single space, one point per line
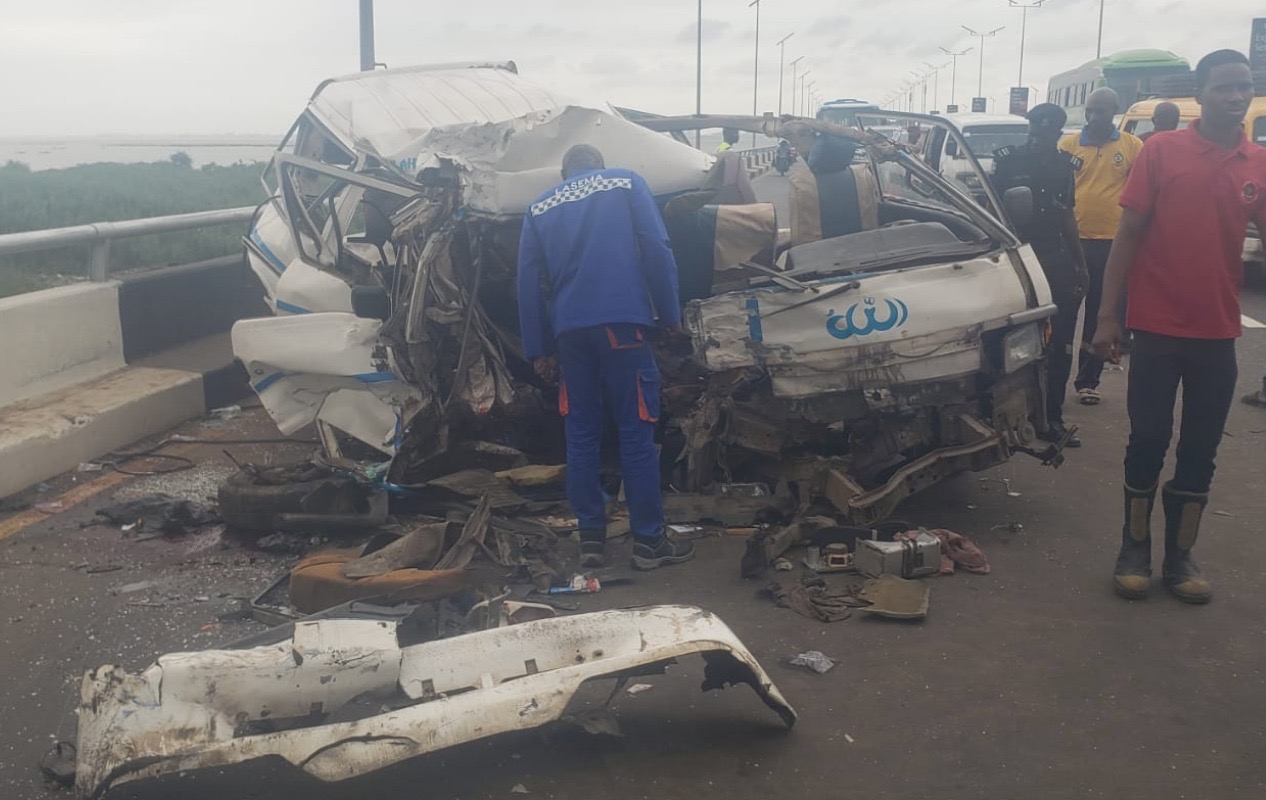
1102 155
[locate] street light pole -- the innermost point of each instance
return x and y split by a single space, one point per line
367 35
1099 41
781 58
803 77
794 63
915 78
954 54
980 83
808 108
1024 26
935 71
755 67
699 71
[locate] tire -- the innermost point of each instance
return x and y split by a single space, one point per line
251 500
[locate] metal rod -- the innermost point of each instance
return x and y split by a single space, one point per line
782 57
1024 29
794 63
367 59
980 84
1099 41
935 71
954 54
699 69
980 80
756 66
1024 24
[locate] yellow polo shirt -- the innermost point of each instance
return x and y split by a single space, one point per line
1101 176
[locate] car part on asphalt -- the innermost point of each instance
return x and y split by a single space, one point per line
257 498
217 708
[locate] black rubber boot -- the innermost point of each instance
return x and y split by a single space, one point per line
648 555
1132 576
593 548
1182 527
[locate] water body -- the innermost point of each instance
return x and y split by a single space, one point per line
55 153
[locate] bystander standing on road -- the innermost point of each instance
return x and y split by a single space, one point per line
595 270
1048 172
1102 156
729 138
1165 117
1186 205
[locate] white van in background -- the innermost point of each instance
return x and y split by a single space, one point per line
984 133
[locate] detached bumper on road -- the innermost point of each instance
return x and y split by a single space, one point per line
220 707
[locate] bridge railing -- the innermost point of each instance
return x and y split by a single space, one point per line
99 235
758 159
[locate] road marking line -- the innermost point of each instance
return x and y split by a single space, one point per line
1249 322
25 519
73 497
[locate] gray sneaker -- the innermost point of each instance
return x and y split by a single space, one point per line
666 550
593 547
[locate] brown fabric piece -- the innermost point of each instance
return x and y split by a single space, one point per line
816 600
479 483
744 233
868 196
534 475
317 583
898 598
736 184
806 206
956 551
806 202
471 539
419 548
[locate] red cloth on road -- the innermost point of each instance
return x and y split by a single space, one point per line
956 551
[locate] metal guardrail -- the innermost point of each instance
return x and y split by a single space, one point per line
758 158
100 234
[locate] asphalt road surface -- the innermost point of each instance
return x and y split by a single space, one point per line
1031 682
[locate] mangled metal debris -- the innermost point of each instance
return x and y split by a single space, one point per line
222 707
892 338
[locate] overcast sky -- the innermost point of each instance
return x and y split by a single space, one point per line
79 67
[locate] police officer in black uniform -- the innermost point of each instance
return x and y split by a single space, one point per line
1049 173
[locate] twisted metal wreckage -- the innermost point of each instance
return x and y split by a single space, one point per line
892 340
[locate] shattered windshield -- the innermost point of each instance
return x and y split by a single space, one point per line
899 182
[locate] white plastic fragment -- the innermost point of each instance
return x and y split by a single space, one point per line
217 708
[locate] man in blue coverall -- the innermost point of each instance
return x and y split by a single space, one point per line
595 270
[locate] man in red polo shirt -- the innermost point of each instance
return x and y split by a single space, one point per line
1189 197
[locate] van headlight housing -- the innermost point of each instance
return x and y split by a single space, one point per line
1021 346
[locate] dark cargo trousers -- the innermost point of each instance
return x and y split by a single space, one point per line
1206 371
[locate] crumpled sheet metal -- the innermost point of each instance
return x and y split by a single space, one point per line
191 711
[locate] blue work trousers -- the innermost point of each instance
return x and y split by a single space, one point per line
609 371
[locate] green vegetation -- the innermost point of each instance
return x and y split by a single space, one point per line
108 192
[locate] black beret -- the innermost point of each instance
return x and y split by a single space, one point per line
1047 115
